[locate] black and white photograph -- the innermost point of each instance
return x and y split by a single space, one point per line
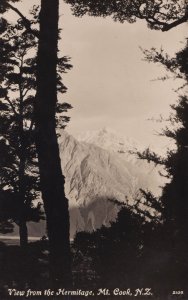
93 149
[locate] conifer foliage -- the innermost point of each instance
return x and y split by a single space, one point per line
19 173
19 165
159 14
174 204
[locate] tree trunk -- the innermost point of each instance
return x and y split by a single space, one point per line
23 234
22 167
51 177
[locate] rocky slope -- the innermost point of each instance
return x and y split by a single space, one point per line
94 175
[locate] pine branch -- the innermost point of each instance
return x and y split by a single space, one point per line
26 91
12 106
31 125
26 22
167 27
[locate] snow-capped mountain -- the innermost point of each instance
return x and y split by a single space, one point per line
110 140
99 168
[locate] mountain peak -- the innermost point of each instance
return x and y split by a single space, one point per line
110 140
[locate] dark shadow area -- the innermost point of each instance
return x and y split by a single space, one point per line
23 268
132 253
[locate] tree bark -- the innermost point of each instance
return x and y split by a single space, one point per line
23 234
51 177
22 167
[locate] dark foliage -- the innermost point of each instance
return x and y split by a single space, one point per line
114 251
23 22
19 175
162 15
175 193
24 269
173 202
19 166
131 253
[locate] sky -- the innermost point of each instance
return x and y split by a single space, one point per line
110 84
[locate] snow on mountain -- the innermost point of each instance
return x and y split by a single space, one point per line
113 141
110 140
98 168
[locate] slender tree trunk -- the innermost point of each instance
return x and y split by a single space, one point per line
22 191
22 166
23 234
22 209
51 177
